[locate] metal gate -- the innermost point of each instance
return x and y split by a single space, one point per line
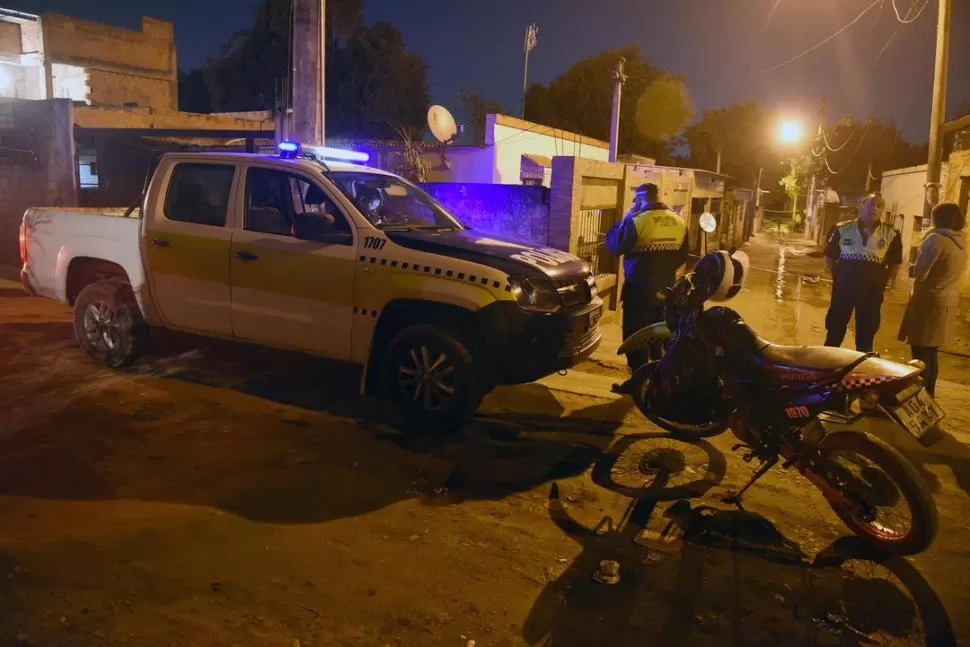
591 247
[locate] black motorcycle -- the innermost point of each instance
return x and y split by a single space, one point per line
795 404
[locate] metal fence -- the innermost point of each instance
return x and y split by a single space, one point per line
593 227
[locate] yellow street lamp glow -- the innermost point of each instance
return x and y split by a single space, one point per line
789 132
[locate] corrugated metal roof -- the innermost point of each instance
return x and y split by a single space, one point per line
13 13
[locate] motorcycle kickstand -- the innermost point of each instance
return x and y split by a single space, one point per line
735 499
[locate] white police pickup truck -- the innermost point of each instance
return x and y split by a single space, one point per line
307 250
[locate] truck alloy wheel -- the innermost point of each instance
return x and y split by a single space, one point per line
108 324
430 377
102 327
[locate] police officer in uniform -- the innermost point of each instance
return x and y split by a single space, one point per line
862 256
653 242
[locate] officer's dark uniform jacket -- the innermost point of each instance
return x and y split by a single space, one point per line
653 244
863 262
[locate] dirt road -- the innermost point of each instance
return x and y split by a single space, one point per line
221 495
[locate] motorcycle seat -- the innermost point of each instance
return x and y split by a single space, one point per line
810 358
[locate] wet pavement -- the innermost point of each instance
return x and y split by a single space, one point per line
219 494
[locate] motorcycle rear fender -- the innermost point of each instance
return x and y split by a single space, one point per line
641 339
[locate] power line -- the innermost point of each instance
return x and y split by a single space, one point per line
905 20
901 21
854 152
829 146
826 40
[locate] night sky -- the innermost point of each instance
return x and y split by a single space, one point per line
722 47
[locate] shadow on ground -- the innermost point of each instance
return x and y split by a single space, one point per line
707 576
255 443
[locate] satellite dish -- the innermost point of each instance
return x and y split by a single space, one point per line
442 124
708 222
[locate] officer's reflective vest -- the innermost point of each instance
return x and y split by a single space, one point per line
874 250
658 230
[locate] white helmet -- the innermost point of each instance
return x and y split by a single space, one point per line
734 270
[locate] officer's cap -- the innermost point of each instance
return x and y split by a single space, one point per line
649 190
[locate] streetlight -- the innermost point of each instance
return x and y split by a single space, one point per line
790 132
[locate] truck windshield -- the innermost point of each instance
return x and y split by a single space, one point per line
390 202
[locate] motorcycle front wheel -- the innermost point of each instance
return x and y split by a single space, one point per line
883 498
637 389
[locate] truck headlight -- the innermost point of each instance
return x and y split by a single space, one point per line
536 295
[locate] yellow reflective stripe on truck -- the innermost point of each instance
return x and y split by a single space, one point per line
402 268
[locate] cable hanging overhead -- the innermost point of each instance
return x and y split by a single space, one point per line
826 40
908 18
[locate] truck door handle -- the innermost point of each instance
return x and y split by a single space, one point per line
245 256
159 242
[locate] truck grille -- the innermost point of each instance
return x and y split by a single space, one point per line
574 293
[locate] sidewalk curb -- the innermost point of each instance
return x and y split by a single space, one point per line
585 384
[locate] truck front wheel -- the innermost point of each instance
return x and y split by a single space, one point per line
108 324
430 377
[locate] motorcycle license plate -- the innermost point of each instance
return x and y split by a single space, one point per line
919 414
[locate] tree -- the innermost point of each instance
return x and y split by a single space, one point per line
373 83
473 111
654 107
194 95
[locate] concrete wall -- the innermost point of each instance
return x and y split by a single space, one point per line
40 169
113 117
904 194
512 138
520 212
123 65
956 184
587 197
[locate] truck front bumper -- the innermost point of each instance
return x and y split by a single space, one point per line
529 346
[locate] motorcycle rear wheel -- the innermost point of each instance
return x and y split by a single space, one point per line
870 486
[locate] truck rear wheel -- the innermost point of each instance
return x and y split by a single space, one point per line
431 378
108 324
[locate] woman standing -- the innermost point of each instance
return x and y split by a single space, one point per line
930 316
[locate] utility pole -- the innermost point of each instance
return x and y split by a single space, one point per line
938 115
531 34
618 78
718 159
868 177
309 50
757 200
811 204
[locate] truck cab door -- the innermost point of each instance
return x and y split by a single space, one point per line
186 246
293 263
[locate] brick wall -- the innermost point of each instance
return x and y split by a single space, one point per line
124 65
516 211
10 40
40 169
117 89
149 50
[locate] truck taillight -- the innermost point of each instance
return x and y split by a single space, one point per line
23 242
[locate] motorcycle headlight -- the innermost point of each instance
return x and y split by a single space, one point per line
535 295
591 282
